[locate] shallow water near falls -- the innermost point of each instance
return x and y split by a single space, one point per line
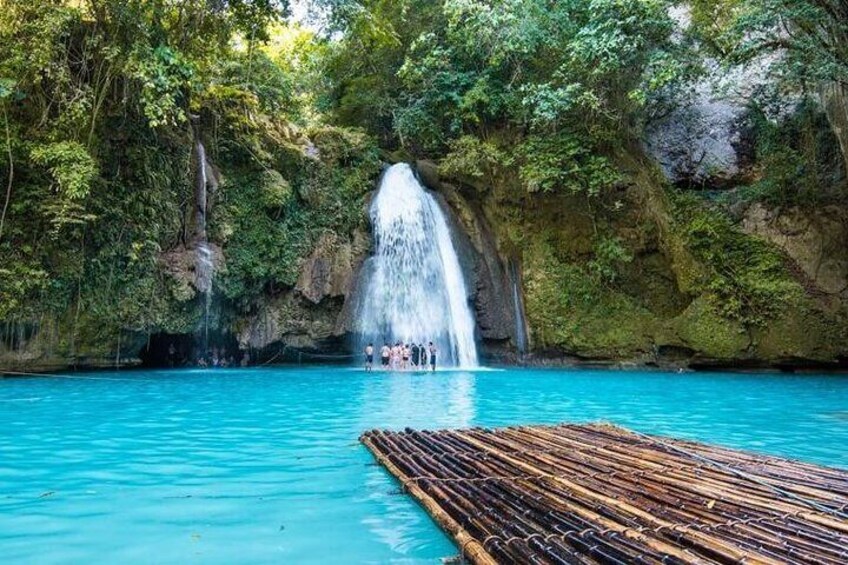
264 466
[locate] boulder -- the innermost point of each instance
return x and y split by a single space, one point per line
703 136
329 270
700 134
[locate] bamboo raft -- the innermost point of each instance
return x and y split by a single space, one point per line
602 494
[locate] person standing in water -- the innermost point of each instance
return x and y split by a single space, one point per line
405 356
369 357
416 355
432 350
396 357
385 355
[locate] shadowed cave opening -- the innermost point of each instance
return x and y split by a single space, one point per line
186 350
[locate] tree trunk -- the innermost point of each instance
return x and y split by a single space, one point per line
834 98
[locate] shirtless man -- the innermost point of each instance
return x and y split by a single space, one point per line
385 356
432 351
405 357
369 357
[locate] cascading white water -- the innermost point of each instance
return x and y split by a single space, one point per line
518 309
204 267
414 288
204 260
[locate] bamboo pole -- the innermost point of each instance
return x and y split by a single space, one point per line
469 546
602 494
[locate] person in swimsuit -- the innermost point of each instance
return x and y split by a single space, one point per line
405 357
369 357
385 355
432 357
416 355
396 357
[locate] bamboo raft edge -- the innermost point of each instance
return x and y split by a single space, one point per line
600 493
470 546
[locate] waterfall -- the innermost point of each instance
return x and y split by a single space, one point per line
414 288
204 263
518 306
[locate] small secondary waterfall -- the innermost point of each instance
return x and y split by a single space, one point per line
204 266
518 305
414 290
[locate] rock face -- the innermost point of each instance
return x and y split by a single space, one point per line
316 314
484 266
817 241
56 344
701 135
834 98
181 265
328 272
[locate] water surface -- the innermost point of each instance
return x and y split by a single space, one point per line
263 465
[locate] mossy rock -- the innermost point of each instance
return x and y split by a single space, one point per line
804 332
275 190
568 310
708 333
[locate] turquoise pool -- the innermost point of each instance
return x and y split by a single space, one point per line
263 465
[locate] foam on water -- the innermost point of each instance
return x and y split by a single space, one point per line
264 466
414 289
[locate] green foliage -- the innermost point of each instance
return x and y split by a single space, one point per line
566 79
20 285
276 191
271 230
811 35
164 76
564 162
470 156
798 157
608 255
97 99
265 244
362 67
747 278
72 170
546 66
72 167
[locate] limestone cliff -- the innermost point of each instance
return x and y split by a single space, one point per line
642 274
667 299
315 315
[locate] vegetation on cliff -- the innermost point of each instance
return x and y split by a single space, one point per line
102 106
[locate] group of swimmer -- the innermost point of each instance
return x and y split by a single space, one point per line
402 357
